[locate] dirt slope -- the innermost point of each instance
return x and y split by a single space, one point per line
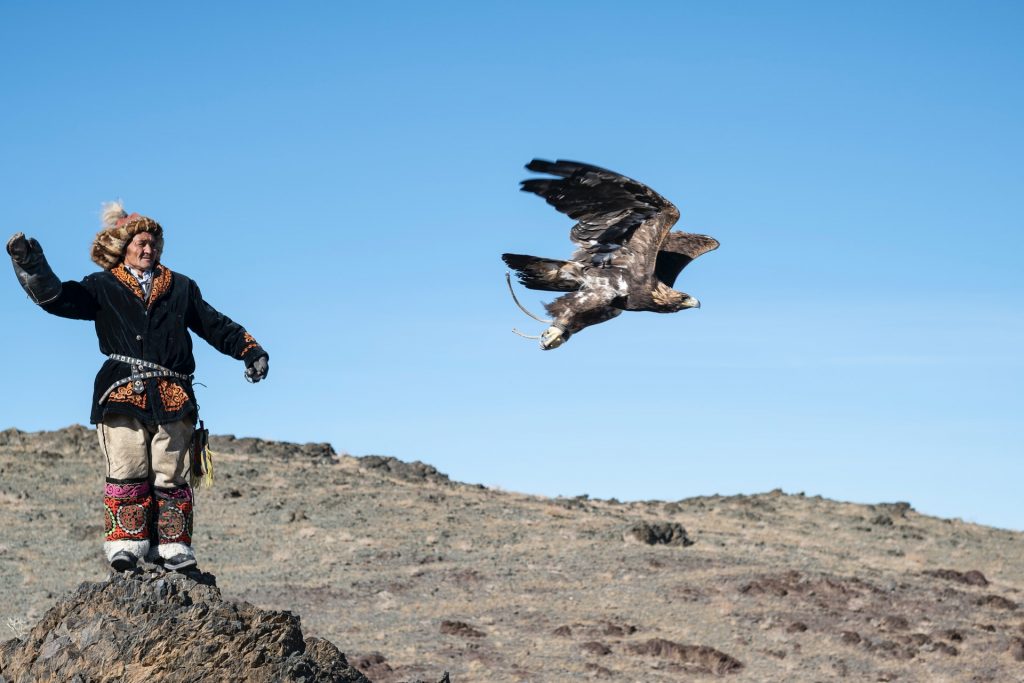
411 574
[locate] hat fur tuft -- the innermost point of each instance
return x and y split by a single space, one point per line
112 212
119 227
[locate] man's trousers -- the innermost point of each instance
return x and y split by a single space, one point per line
148 501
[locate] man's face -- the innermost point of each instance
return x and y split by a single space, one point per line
141 253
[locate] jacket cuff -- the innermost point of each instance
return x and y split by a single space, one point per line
254 352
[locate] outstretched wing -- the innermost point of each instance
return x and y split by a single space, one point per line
678 249
547 274
607 206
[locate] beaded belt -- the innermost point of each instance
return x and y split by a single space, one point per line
141 370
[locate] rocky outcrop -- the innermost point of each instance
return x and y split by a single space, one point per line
149 625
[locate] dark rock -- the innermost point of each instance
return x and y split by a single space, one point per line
997 601
597 671
596 648
951 635
849 637
893 623
313 452
898 509
461 629
610 629
415 471
373 664
660 533
971 578
697 658
149 624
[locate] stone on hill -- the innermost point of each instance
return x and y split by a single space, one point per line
152 625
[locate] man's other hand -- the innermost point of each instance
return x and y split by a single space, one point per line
258 370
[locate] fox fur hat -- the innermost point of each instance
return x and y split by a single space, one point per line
119 227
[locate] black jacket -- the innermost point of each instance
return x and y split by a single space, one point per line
156 331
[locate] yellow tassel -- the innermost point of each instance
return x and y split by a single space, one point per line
207 480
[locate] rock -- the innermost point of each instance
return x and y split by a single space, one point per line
850 637
312 452
596 648
997 601
151 624
415 471
697 658
461 629
659 533
971 578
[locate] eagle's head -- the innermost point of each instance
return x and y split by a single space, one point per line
668 300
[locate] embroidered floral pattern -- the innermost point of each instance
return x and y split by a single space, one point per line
174 515
124 394
250 344
128 509
128 490
171 395
161 283
127 279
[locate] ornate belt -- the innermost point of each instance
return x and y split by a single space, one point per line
141 371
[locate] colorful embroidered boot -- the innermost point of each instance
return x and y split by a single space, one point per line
174 527
128 509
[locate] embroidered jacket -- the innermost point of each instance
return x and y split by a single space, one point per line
155 330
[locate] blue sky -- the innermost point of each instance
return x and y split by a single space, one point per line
342 180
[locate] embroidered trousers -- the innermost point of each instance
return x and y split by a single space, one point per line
147 501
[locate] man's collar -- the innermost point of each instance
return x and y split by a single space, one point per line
139 274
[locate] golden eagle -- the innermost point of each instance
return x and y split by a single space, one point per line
627 259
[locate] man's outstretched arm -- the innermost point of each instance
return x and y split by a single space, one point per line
66 299
227 336
34 273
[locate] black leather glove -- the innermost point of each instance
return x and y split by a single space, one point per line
22 249
32 270
258 370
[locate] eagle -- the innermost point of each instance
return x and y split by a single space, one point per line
626 258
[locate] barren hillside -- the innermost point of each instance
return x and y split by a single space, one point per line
410 574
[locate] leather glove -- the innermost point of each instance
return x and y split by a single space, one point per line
32 270
258 370
22 249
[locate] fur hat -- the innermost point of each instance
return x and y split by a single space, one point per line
119 227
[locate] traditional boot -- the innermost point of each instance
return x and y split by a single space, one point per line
128 507
174 527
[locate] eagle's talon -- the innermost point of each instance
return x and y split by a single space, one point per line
552 338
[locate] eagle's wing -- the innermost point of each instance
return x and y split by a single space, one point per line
607 206
586 307
678 249
545 273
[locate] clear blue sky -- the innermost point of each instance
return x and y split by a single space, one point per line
342 178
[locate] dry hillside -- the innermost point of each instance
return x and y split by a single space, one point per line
410 574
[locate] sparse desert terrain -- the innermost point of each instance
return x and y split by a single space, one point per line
410 574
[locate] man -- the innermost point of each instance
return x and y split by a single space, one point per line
143 406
